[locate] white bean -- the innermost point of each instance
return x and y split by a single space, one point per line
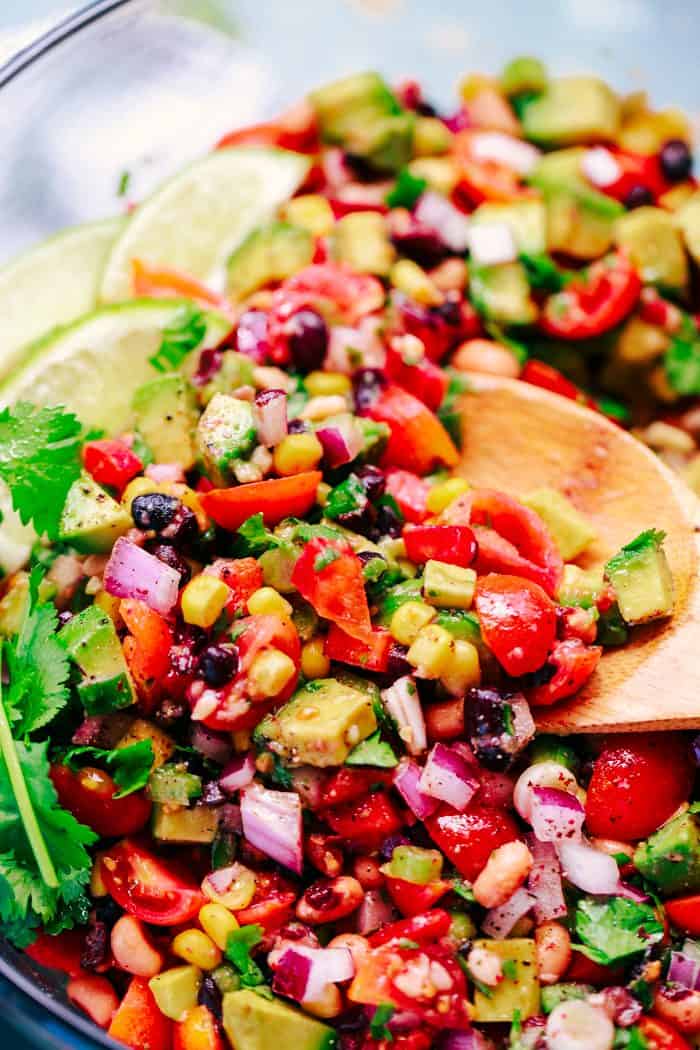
553 945
542 774
576 1025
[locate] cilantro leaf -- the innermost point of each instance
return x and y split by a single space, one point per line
257 538
406 190
280 775
616 930
543 273
373 752
130 766
682 365
510 969
39 461
180 338
238 949
378 1025
630 1039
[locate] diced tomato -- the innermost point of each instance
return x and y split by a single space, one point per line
660 1035
367 822
573 663
518 621
63 951
89 796
537 373
468 839
111 462
352 294
578 623
138 1023
684 913
410 493
586 971
329 575
423 929
595 303
198 1030
295 130
484 180
272 902
242 576
444 720
371 652
418 440
95 995
275 499
152 638
635 170
441 328
349 783
454 544
153 890
160 282
413 899
427 380
638 782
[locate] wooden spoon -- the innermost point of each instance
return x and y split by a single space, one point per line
518 437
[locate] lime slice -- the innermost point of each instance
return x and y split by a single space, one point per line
194 221
94 366
51 285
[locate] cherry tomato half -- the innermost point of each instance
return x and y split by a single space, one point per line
684 913
418 440
149 888
453 544
89 796
593 304
518 621
469 838
272 902
329 575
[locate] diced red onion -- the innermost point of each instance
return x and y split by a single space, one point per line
342 441
448 777
404 1021
541 774
504 149
458 121
407 783
403 704
458 1039
441 215
588 868
556 815
161 472
230 817
271 415
600 167
238 773
500 921
375 911
304 973
544 881
214 746
272 822
132 572
292 972
336 170
492 243
685 971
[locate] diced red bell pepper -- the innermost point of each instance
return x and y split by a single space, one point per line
484 180
594 303
423 929
413 899
537 373
410 493
574 664
275 499
444 720
272 902
367 822
684 913
349 784
518 621
329 575
371 652
152 638
418 440
425 379
138 1023
635 170
111 462
468 839
454 544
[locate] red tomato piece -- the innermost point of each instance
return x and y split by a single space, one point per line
275 499
413 899
595 303
537 373
272 902
444 720
160 282
353 294
454 544
440 329
153 890
242 576
518 621
468 839
660 1035
484 180
95 995
586 971
111 462
431 926
371 653
329 575
153 638
410 493
348 784
684 913
60 952
635 170
574 663
89 796
428 380
199 1030
638 782
367 822
138 1023
418 440
296 129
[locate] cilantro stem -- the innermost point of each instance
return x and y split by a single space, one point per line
24 802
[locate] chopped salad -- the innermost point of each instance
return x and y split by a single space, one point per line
271 665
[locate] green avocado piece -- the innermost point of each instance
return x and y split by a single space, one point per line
198 824
254 1022
571 531
502 293
269 253
173 784
520 992
580 586
655 246
320 725
448 586
93 644
527 220
572 110
688 220
165 417
641 578
670 858
562 993
361 239
91 520
225 432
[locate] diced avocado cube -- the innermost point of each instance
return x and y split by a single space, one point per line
521 992
562 993
571 531
361 239
524 75
179 824
572 110
174 784
641 578
225 432
670 858
527 220
269 253
655 247
91 520
175 991
502 293
320 725
162 745
431 137
254 1022
448 586
93 644
688 220
440 173
640 343
164 411
580 586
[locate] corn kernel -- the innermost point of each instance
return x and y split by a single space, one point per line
110 605
441 173
138 487
242 739
195 947
269 672
432 651
322 384
314 662
175 991
97 883
318 408
266 600
297 453
322 493
444 493
464 671
411 279
408 620
218 923
312 212
203 600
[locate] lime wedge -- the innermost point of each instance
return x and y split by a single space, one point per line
195 220
94 366
16 539
51 285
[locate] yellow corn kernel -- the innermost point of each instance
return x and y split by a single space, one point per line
266 600
314 662
110 605
474 84
444 493
441 173
195 947
241 740
203 599
218 923
138 487
432 651
409 619
411 279
97 883
239 893
464 671
323 384
297 453
312 212
322 493
269 672
175 991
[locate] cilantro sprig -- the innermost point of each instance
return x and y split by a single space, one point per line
616 930
238 949
184 333
130 766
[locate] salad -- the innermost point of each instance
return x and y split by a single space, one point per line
271 665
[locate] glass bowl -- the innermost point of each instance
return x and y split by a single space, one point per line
142 86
